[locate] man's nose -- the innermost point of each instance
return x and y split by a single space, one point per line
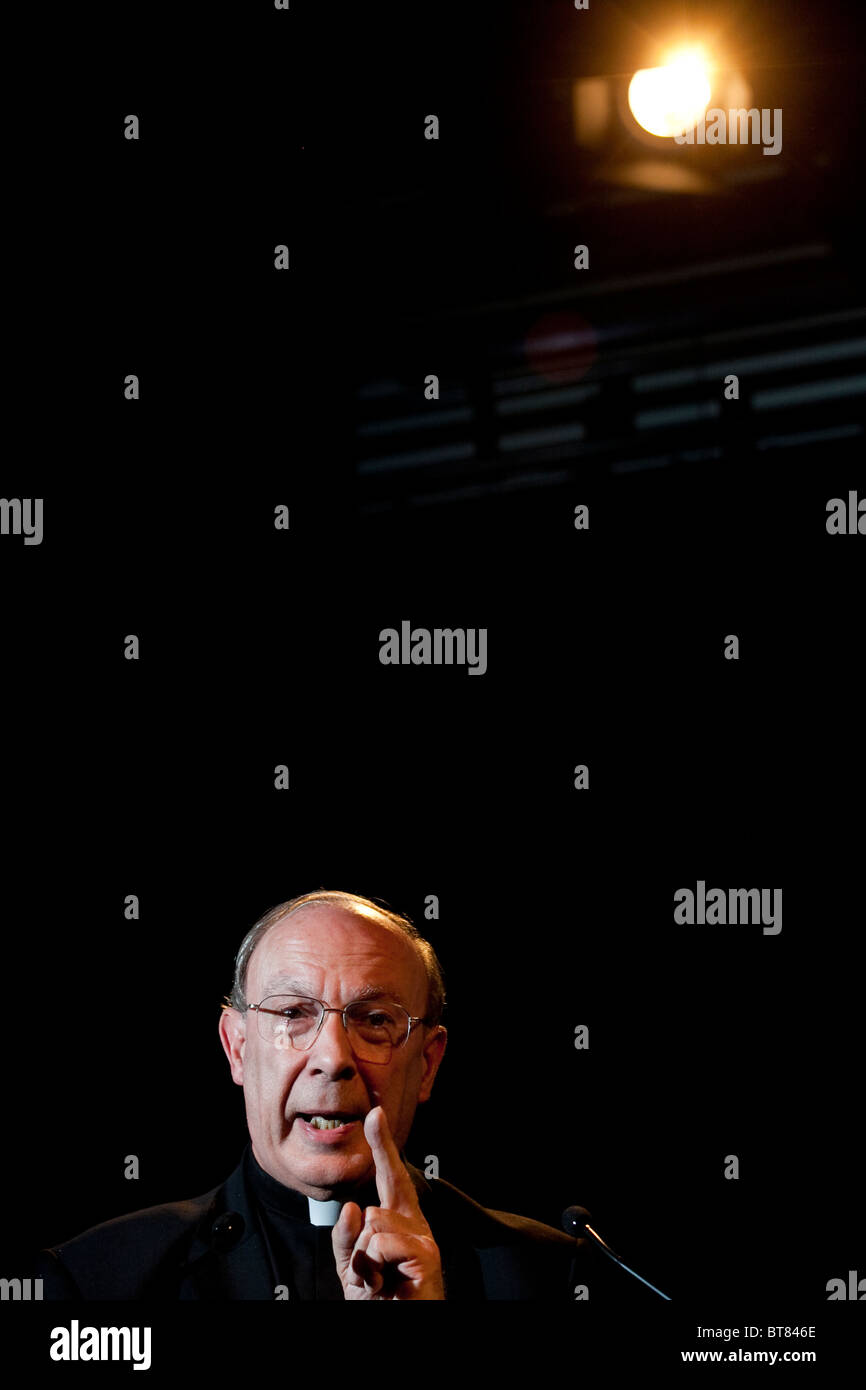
331 1052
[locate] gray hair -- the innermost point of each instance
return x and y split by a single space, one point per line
363 907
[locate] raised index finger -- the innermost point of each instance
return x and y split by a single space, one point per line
395 1187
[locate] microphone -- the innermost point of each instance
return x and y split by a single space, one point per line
575 1221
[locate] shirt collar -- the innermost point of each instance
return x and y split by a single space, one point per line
286 1201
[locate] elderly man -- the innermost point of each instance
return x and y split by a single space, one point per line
333 1031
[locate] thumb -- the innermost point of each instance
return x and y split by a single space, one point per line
345 1234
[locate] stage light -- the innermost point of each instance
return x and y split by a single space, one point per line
670 99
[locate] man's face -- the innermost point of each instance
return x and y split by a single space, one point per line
328 953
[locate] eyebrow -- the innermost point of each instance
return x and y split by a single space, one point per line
282 984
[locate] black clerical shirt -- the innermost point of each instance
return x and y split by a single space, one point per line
246 1237
301 1254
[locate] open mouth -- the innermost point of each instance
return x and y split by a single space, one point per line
336 1120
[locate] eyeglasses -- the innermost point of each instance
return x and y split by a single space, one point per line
374 1028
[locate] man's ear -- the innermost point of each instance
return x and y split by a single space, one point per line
434 1050
232 1031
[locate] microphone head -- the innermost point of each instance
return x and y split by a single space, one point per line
574 1220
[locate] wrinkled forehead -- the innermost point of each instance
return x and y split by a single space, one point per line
322 946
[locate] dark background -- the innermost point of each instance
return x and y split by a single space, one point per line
604 647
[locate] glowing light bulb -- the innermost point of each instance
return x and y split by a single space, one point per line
672 98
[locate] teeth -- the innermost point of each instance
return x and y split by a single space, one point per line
319 1122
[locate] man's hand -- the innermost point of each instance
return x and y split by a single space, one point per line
387 1251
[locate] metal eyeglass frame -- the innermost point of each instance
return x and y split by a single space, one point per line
257 1008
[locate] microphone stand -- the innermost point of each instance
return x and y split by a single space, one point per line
575 1220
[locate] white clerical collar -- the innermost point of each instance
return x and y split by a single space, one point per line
324 1213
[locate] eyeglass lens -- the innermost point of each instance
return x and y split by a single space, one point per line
374 1027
